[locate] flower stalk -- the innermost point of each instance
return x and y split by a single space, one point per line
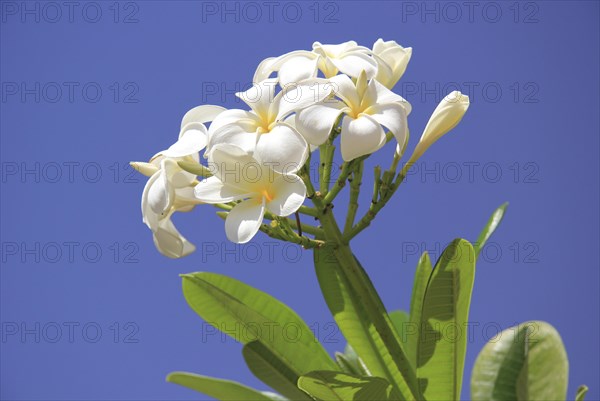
345 171
362 286
351 269
354 192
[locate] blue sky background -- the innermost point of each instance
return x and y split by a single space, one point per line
91 311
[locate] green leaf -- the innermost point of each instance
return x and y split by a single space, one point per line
336 386
581 392
442 345
400 320
526 362
490 227
248 314
272 371
356 325
424 270
223 390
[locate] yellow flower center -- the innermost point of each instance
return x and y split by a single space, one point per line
267 195
356 111
265 126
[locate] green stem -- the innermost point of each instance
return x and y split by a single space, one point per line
339 183
376 184
304 173
284 232
368 297
366 220
223 206
323 184
273 232
306 228
354 192
309 211
326 152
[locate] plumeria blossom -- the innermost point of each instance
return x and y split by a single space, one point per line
445 117
170 189
365 107
193 135
263 130
348 58
255 154
240 176
392 60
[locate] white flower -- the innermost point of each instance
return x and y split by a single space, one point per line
365 106
445 117
392 60
171 189
348 58
240 176
262 130
168 190
193 135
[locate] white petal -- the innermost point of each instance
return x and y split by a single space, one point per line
288 193
315 122
327 67
212 190
260 96
176 176
149 217
384 72
242 135
397 58
244 220
344 88
353 63
157 159
231 164
161 194
264 69
201 114
185 200
380 45
334 50
232 116
170 242
360 137
283 149
393 117
297 69
192 140
376 93
295 97
295 66
290 120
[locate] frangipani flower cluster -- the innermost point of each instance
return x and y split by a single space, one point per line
255 160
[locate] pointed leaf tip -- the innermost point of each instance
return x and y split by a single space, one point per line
491 226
